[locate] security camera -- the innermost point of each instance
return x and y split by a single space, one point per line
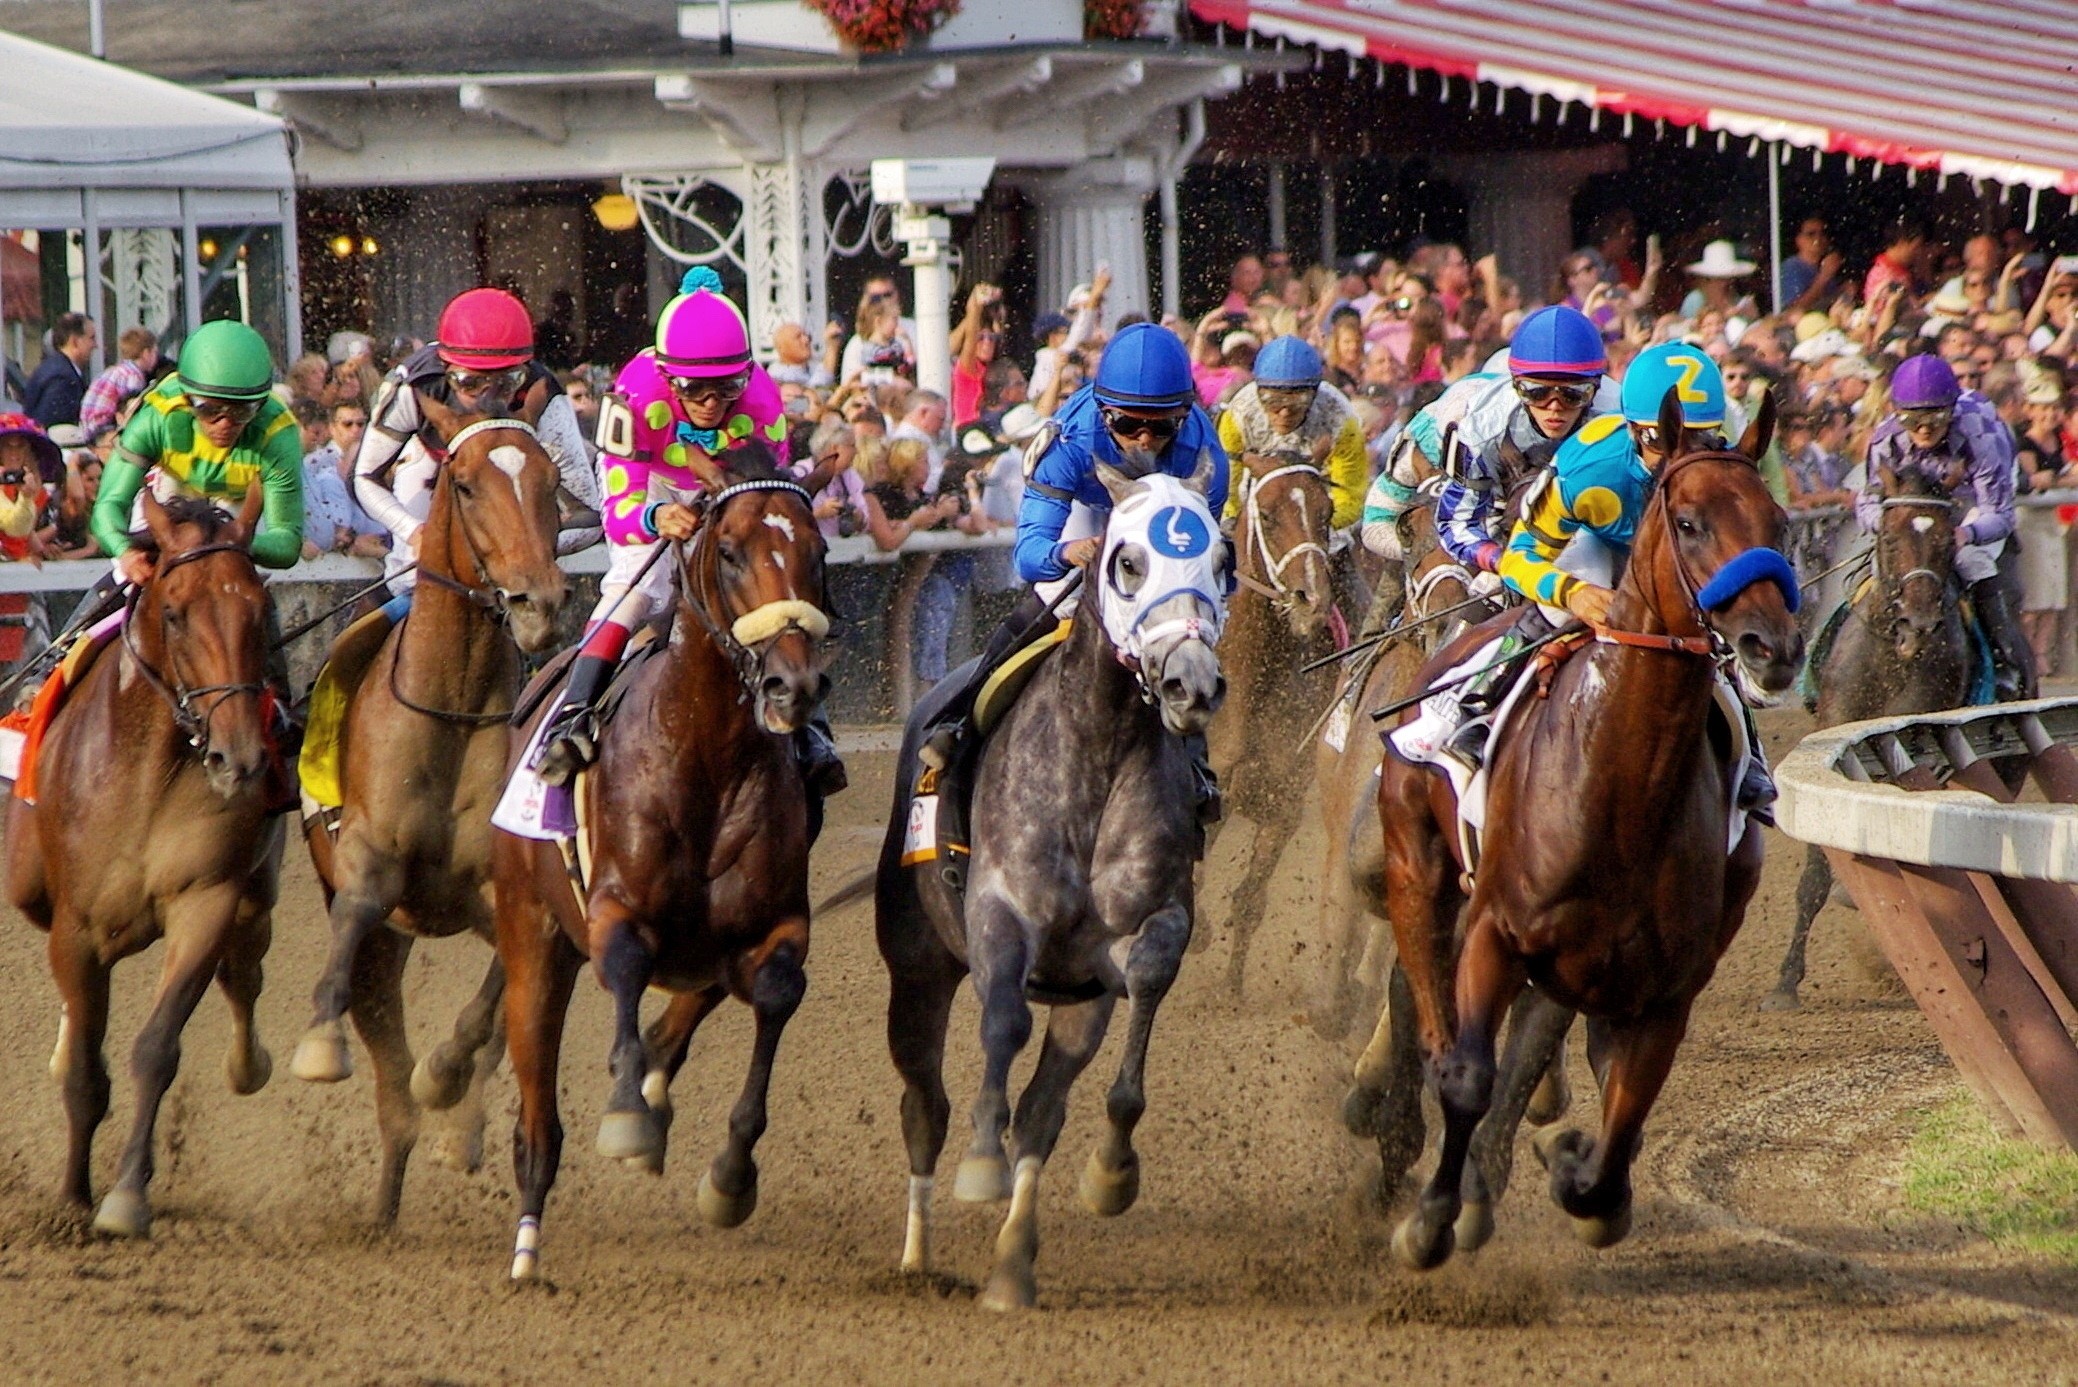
949 183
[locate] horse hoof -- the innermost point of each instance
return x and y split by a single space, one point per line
436 1086
1361 1109
1010 1288
1419 1250
321 1056
1474 1227
1549 1101
1782 999
460 1150
1549 1142
249 1073
649 1162
123 1214
623 1135
1599 1233
982 1180
1107 1192
722 1210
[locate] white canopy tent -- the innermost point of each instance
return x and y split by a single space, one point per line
91 147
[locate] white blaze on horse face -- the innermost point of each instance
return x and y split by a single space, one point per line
782 524
512 461
1922 523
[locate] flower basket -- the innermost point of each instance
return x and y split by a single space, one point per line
1112 19
883 26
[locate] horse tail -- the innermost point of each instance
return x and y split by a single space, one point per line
855 889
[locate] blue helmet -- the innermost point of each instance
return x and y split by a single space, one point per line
1287 364
1557 341
1145 367
1677 366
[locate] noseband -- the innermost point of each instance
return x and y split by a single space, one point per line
180 698
749 638
1276 589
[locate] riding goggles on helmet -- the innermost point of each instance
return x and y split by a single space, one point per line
467 382
1159 427
211 411
693 389
1286 396
1540 392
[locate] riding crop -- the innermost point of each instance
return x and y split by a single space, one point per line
1381 714
1359 647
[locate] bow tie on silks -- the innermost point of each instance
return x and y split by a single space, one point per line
708 441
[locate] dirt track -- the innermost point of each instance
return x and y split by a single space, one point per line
1769 1243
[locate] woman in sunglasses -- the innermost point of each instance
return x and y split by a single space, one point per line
482 363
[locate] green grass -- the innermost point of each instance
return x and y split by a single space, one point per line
2012 1192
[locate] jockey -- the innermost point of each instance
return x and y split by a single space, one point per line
482 363
210 430
1955 436
1566 549
1139 415
1485 433
664 432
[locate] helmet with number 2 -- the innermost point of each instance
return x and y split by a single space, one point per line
1680 367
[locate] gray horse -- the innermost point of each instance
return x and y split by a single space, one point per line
1078 890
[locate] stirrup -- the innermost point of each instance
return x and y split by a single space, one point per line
941 745
1757 793
1467 745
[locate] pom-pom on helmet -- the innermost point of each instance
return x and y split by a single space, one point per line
701 333
1924 382
1557 341
1681 367
1287 363
1145 367
485 330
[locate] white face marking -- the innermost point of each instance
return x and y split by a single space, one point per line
1922 523
781 524
512 461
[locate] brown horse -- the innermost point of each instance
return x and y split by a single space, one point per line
1277 622
697 882
152 823
1604 878
422 760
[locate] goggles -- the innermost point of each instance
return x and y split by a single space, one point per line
1928 417
1286 396
1538 392
696 389
211 411
1158 427
473 383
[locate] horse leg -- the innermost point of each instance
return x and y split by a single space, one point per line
728 1192
1489 976
369 885
1073 1035
669 1039
625 963
1384 1101
1251 897
1111 1179
457 1071
920 993
194 946
78 1063
1537 1029
542 968
1591 1180
375 1000
999 963
1812 889
248 1066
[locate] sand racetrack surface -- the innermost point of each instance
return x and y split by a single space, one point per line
1771 1243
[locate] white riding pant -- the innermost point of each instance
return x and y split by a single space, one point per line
628 603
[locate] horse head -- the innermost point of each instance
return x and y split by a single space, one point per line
1708 559
754 577
494 520
1915 556
1286 510
199 631
1161 590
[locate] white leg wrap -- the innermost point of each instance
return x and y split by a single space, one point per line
916 1239
526 1254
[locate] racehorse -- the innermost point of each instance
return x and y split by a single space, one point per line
695 829
1083 833
152 822
422 761
1901 648
1604 875
1277 622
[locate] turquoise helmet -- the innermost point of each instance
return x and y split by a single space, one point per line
1676 366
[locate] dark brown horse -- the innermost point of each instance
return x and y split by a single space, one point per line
1605 877
698 825
422 760
1901 648
152 823
1277 622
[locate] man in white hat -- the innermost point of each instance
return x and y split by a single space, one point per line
1714 277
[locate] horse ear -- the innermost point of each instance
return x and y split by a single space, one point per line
1762 430
1887 478
157 522
1670 424
1117 483
249 511
1200 479
444 419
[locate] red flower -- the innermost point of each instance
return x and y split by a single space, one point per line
1111 19
882 26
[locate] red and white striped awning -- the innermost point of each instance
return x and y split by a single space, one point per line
1978 88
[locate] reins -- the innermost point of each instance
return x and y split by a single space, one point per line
180 698
1275 589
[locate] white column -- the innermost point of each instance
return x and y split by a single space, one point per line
1277 217
291 278
1522 206
190 265
1091 216
776 234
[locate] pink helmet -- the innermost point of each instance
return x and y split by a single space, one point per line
701 333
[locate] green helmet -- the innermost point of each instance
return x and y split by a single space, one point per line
226 361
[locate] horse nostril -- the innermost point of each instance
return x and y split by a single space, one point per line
1173 690
1755 650
514 599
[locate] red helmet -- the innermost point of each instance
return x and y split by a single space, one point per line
485 330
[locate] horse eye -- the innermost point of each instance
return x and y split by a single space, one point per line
1685 525
463 490
731 554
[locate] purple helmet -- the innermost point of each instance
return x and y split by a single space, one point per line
1924 382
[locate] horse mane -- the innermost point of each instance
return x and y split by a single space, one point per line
752 460
210 518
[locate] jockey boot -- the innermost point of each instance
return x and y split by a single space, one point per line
572 741
1386 601
815 752
1486 692
1467 745
2012 660
1756 786
944 743
1205 794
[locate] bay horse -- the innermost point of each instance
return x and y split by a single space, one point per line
152 823
422 762
1607 875
1083 831
1901 648
1277 622
699 829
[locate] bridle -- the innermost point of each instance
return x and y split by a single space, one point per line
1276 589
747 640
1893 591
193 723
1711 644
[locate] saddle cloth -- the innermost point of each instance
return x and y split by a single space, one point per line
529 808
22 733
346 665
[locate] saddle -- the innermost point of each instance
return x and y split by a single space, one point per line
531 809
